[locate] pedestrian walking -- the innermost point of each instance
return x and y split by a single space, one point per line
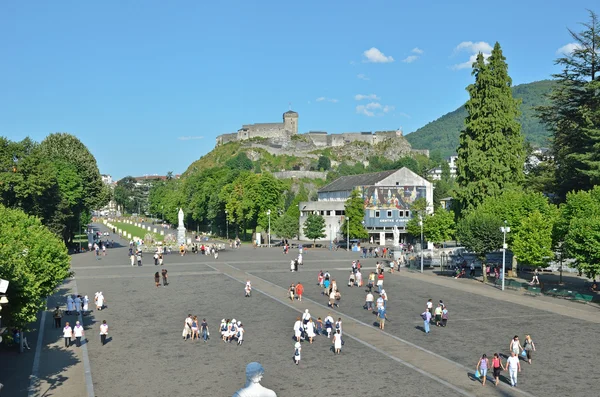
382 316
482 367
139 259
58 315
472 270
529 347
426 316
103 332
444 315
77 302
240 333
299 291
298 329
515 346
86 304
70 304
131 257
328 325
248 288
514 366
100 301
497 366
438 315
165 277
292 292
337 341
78 332
187 327
67 334
157 279
204 330
195 328
297 350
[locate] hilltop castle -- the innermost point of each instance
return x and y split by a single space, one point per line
289 127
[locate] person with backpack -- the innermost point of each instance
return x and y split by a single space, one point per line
328 325
297 350
426 316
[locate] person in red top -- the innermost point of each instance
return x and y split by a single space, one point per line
380 281
299 291
320 278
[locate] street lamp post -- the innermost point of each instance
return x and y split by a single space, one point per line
269 232
348 234
227 220
421 224
504 229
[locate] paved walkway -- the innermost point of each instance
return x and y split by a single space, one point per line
64 372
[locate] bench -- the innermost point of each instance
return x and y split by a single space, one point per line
585 298
533 291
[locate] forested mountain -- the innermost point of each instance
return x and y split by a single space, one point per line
442 134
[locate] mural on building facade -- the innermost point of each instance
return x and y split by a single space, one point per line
382 197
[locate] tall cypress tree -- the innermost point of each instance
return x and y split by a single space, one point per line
573 116
491 153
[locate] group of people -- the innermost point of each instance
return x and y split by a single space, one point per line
77 304
513 363
232 330
295 291
306 329
165 278
194 329
330 288
437 316
295 262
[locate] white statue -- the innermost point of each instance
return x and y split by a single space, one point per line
396 236
253 388
180 216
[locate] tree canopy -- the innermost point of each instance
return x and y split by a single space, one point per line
491 150
314 227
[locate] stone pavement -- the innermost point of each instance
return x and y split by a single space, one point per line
146 355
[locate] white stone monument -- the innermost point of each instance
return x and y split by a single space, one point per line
397 250
180 228
253 388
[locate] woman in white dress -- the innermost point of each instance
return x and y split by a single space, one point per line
337 341
86 304
298 329
240 333
100 301
310 330
70 304
297 351
223 328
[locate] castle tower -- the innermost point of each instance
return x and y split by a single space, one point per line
290 122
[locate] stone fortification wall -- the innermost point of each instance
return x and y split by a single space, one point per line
358 137
300 174
226 138
421 151
319 139
264 130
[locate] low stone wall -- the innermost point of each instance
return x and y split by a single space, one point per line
300 174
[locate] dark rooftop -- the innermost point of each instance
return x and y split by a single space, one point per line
349 182
290 112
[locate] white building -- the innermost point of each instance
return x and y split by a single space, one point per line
436 173
388 197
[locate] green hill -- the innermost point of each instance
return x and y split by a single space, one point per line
442 134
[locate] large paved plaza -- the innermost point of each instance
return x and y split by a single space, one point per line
146 355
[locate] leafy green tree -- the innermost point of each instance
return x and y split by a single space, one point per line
491 153
583 244
532 243
355 213
286 226
324 163
240 162
514 206
573 116
480 233
438 227
314 227
34 260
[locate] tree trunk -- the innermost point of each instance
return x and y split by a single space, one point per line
514 266
483 269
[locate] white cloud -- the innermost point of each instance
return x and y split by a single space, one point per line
360 97
376 56
372 109
410 59
568 49
362 76
417 50
471 47
388 108
190 138
474 49
322 99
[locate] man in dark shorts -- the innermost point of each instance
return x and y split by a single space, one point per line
164 277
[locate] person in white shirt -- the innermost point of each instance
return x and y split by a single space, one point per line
100 301
248 288
70 304
240 333
67 334
310 330
86 304
328 324
297 350
132 259
379 302
298 329
305 317
369 302
514 366
359 278
384 295
78 332
103 332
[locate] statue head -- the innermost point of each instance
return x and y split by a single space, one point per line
254 372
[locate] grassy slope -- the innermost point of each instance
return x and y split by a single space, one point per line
443 133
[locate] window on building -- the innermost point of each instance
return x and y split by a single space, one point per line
407 214
389 214
328 213
376 214
338 212
397 183
401 214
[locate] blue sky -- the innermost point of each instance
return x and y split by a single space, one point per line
148 85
